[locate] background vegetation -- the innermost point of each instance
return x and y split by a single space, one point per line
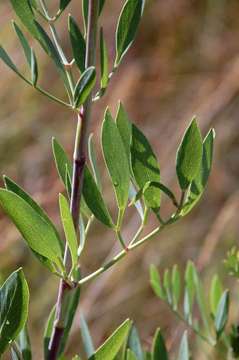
185 61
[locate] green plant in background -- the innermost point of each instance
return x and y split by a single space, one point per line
132 166
204 312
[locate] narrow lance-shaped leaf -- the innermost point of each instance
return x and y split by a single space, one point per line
116 160
77 43
34 68
64 4
25 344
127 26
112 345
51 51
61 160
104 66
145 167
184 349
65 171
201 301
39 235
70 312
222 312
86 337
14 301
156 282
189 155
199 183
69 229
159 350
84 86
134 343
216 292
93 161
82 236
8 61
26 47
189 290
48 332
24 12
125 129
94 200
85 9
137 204
176 286
167 285
12 186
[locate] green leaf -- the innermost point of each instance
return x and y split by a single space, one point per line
116 160
64 4
93 161
222 312
183 349
159 348
25 344
104 66
199 183
127 27
77 43
72 305
61 160
137 204
26 47
7 61
84 86
125 129
176 286
145 167
12 186
112 345
52 52
94 199
189 290
85 6
189 155
24 12
34 68
156 282
201 301
48 332
14 301
69 229
86 337
167 285
216 291
82 236
131 355
134 344
37 232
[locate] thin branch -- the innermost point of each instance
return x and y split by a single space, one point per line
79 159
120 255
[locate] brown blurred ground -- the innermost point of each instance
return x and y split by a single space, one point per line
185 61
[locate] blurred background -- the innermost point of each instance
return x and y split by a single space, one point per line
185 61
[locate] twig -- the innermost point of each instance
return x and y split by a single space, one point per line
77 181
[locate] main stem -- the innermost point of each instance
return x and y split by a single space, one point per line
79 159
